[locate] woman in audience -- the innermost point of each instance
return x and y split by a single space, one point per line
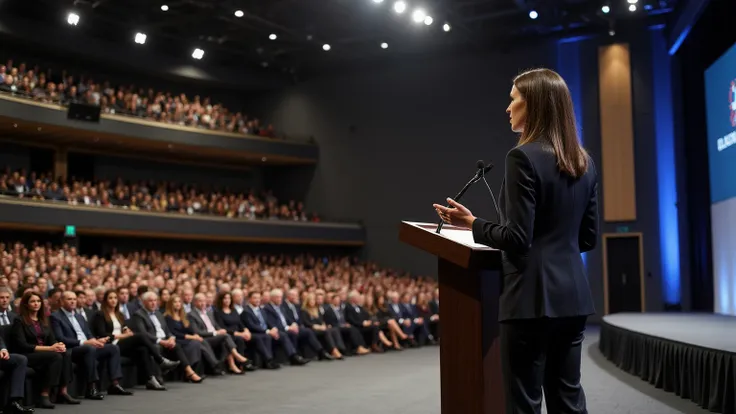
163 298
387 323
228 319
330 337
32 336
110 323
178 323
382 324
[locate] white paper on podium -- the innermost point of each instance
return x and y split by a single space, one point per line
464 237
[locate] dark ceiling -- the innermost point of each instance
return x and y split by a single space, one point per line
355 29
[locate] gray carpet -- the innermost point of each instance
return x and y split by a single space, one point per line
393 383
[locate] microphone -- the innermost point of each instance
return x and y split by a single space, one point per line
479 175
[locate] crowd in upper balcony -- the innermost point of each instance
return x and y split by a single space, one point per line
172 108
163 197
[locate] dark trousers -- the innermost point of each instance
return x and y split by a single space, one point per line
188 354
331 339
16 367
263 344
110 356
352 336
239 343
370 334
544 354
285 341
307 336
141 350
84 356
53 368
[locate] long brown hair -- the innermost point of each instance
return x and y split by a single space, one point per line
174 314
550 116
106 310
25 310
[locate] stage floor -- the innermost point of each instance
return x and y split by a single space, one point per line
700 329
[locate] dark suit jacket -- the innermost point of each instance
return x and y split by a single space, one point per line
272 318
64 331
547 220
250 320
355 315
197 323
290 315
140 323
101 328
23 337
331 318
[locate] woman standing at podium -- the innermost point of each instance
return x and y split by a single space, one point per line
548 216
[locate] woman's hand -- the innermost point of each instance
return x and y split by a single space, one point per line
457 214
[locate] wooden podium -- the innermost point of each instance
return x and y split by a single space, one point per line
470 284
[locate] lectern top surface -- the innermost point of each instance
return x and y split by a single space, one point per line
456 234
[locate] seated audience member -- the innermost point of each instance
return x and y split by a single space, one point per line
109 323
122 296
386 322
149 321
254 319
187 295
6 312
281 316
404 318
205 324
421 334
86 350
358 317
14 367
163 298
424 312
31 335
365 301
234 324
54 299
237 295
81 310
178 323
330 337
137 304
334 317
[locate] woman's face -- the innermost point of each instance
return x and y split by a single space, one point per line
517 111
112 300
226 301
34 303
177 304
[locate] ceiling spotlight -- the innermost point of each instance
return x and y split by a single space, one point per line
612 32
72 19
533 14
446 27
418 15
606 9
648 7
384 45
264 64
632 7
633 1
239 13
140 38
428 20
198 53
378 1
164 7
272 36
326 47
400 7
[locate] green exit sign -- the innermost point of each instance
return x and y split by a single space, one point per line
70 231
622 229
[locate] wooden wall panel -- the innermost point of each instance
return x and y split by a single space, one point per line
617 133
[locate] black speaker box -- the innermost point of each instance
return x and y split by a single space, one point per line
84 112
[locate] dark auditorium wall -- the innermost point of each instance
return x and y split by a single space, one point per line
14 156
393 140
110 168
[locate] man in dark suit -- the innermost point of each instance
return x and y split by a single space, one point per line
434 311
86 350
404 318
123 305
358 317
6 312
13 365
255 320
137 304
278 312
334 316
421 334
82 310
148 321
217 341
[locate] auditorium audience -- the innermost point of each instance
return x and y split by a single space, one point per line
32 336
162 197
166 107
313 316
